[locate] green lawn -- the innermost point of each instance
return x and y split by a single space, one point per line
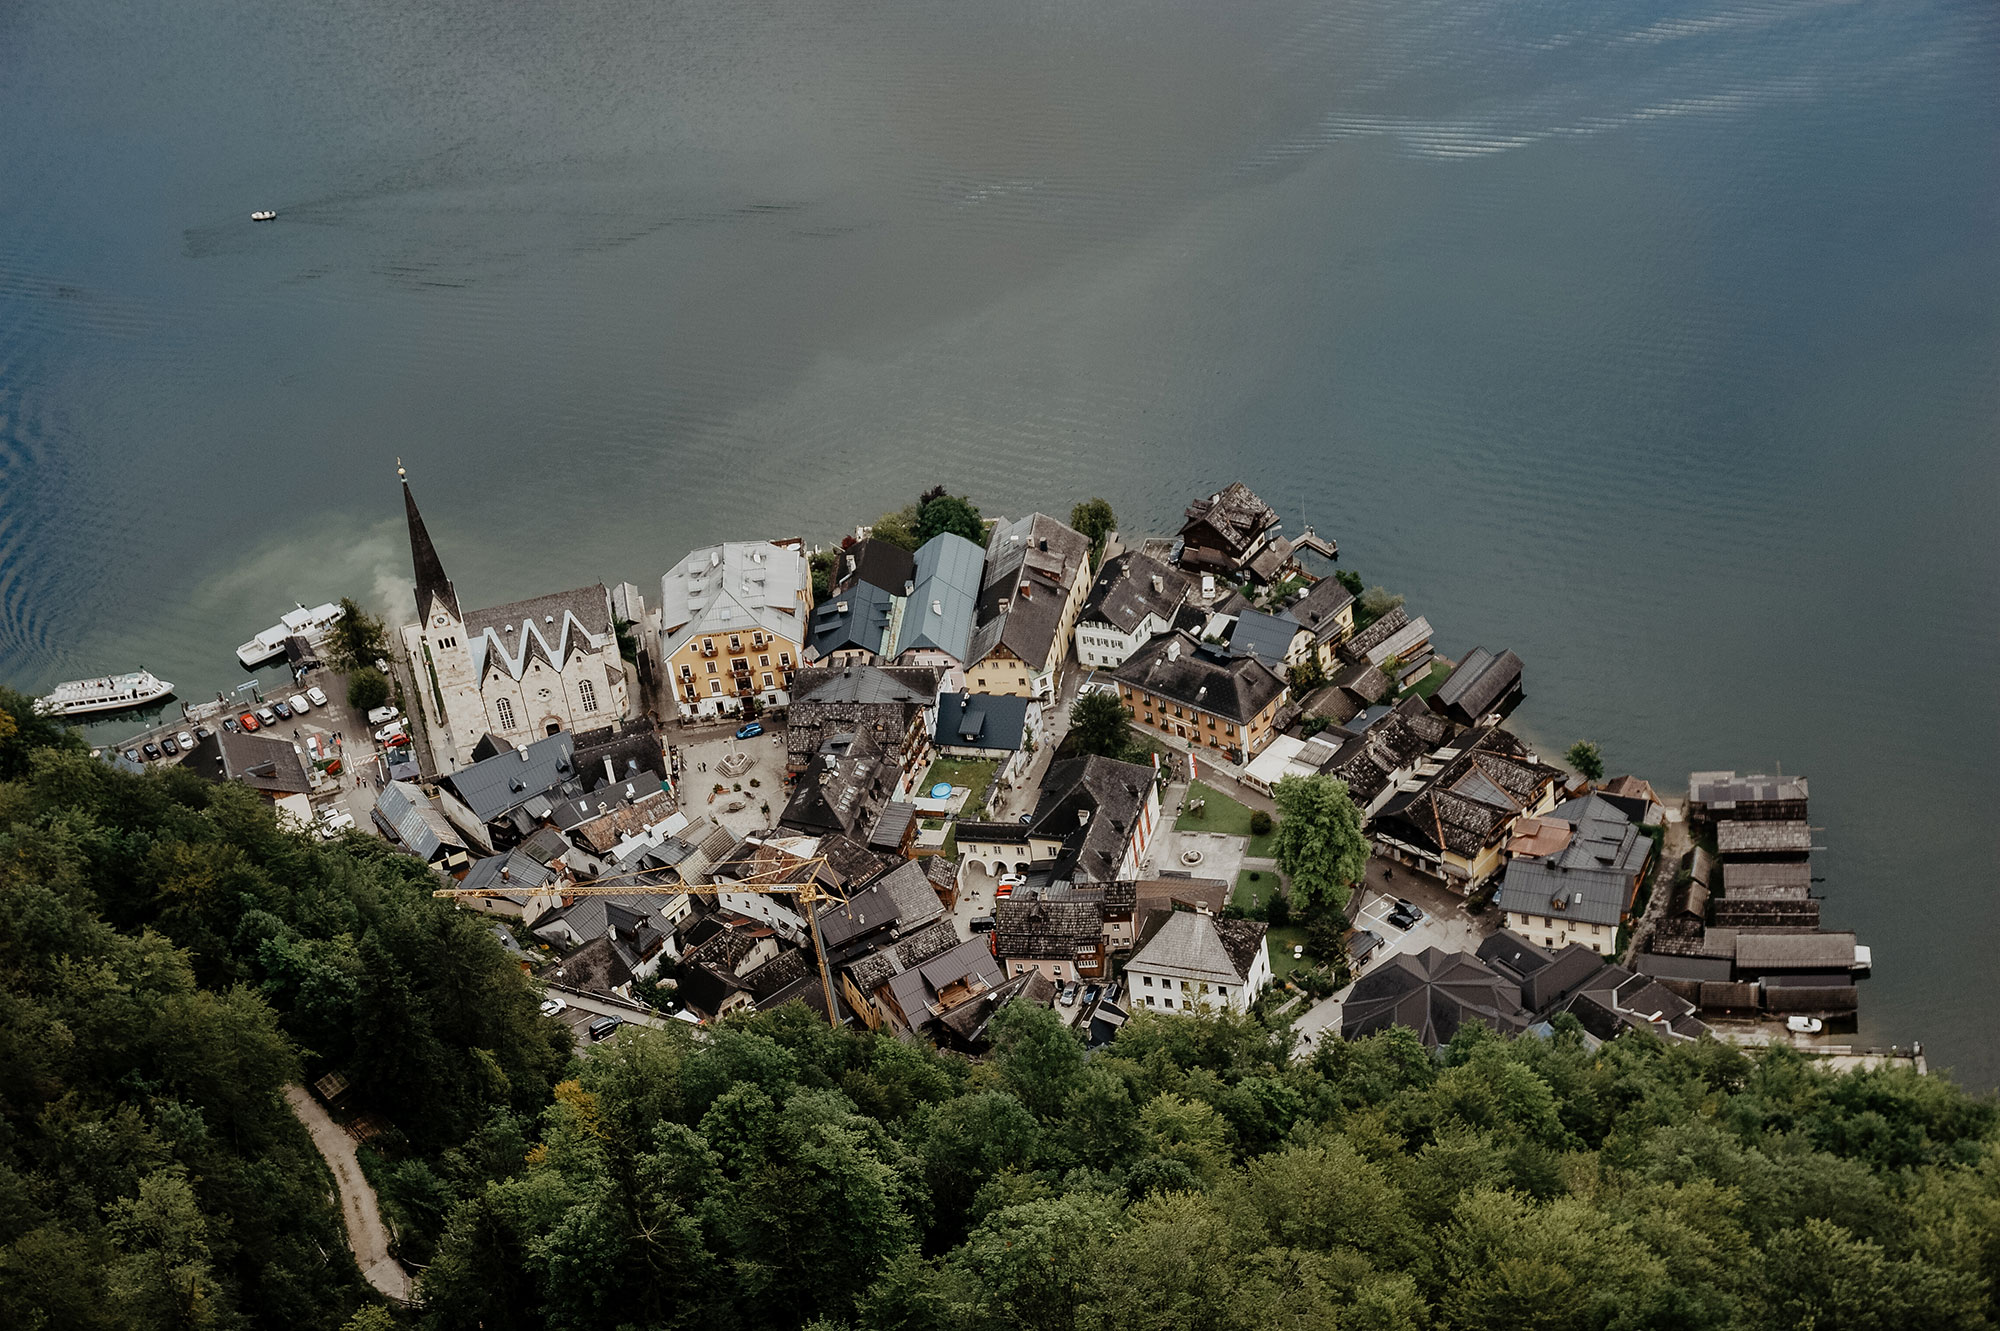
1281 941
1431 683
1253 888
975 774
1223 814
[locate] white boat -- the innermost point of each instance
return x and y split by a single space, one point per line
270 644
110 693
264 216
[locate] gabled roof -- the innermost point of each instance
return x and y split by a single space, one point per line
1264 636
1046 930
900 901
858 618
1478 684
419 826
494 785
735 587
924 992
863 685
1726 789
549 629
1234 514
518 875
880 564
1176 666
876 968
983 721
1124 593
1192 946
257 761
1092 806
1319 609
940 612
1753 838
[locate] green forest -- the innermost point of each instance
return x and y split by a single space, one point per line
172 959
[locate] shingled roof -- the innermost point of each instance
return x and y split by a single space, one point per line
1177 667
1124 593
1319 609
1234 514
1092 805
1044 930
1433 993
1478 684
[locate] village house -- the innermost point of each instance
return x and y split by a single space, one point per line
1279 641
1455 823
831 701
862 973
413 821
1715 797
1573 874
519 671
506 793
1482 687
1037 576
1061 938
271 767
1231 533
1133 600
936 624
1201 695
517 885
850 781
1391 754
734 619
1000 727
857 622
1327 612
1193 960
1093 823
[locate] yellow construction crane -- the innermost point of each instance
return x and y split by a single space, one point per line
809 892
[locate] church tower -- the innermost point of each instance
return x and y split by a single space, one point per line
440 656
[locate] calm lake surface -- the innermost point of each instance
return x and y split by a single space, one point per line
1659 342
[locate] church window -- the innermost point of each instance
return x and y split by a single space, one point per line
588 693
504 709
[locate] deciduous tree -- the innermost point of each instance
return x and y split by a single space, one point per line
1320 845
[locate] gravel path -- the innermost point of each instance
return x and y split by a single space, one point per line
366 1234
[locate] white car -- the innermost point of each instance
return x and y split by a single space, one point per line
186 741
318 695
382 716
553 1006
333 822
299 703
1804 1025
389 732
1013 880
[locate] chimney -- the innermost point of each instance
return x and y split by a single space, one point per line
610 770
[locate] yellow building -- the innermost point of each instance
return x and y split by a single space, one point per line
1198 694
733 624
1037 576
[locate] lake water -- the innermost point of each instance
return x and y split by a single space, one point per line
1655 341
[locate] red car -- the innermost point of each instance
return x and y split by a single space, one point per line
248 721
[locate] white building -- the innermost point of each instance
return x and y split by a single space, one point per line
1133 601
1194 960
522 671
734 622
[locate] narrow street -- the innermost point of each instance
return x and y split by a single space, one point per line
367 1236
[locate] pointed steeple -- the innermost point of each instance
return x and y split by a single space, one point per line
432 584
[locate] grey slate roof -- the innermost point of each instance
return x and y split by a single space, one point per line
863 685
1478 684
513 872
880 564
1433 993
1727 788
1176 666
983 721
419 826
1123 595
494 785
257 761
877 967
1046 930
1264 636
941 609
1591 896
543 628
916 990
1319 609
1113 795
1193 946
1235 515
1030 566
858 618
901 901
1757 951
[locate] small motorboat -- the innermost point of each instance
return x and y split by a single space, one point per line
264 216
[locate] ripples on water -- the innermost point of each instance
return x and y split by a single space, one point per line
1655 342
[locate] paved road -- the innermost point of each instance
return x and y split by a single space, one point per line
366 1234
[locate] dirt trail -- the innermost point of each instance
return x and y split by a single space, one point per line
366 1234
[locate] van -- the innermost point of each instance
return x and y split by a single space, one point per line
604 1028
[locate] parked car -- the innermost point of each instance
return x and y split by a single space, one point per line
1069 994
1411 909
267 716
1090 995
314 748
318 695
382 716
985 924
203 732
750 731
249 721
1004 891
1804 1025
170 746
282 708
1112 990
396 741
386 733
1400 920
554 1006
187 740
604 1028
334 822
151 750
299 704
131 755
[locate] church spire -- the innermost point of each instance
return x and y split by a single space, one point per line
432 584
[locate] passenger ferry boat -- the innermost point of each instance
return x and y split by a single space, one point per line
112 693
270 644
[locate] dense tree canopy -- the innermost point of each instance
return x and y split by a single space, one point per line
1094 518
1320 844
1100 723
950 513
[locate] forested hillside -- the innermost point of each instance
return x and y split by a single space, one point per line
171 959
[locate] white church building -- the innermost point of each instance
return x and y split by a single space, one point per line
521 671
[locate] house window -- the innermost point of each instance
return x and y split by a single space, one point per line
1149 982
1167 1002
1222 989
785 660
764 660
708 645
588 693
767 679
1149 1000
711 667
504 709
714 686
735 642
687 671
